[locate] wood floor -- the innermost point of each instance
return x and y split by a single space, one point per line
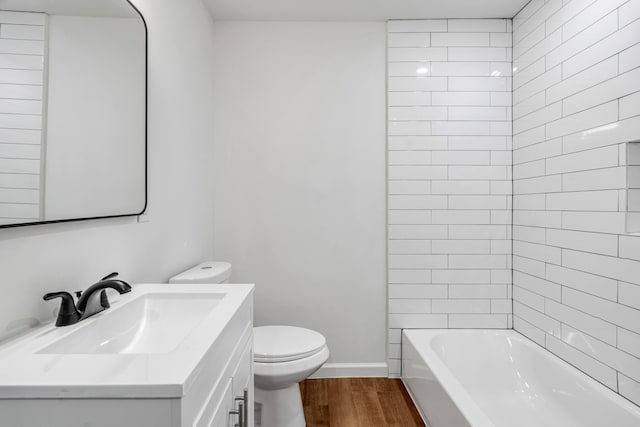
358 402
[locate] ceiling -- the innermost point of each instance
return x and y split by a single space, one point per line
359 10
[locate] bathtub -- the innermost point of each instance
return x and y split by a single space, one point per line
498 378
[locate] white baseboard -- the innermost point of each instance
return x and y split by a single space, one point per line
352 370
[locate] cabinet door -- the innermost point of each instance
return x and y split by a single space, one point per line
222 416
243 382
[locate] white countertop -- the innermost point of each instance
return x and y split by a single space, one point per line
25 373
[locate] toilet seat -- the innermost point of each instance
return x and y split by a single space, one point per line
276 344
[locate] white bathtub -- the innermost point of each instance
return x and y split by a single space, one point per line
498 378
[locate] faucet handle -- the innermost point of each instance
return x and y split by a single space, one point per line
52 295
68 313
110 276
104 301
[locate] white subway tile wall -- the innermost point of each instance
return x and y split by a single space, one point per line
576 278
22 47
449 153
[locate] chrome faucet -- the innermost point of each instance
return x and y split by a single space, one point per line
90 302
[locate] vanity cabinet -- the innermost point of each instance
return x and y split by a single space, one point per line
216 392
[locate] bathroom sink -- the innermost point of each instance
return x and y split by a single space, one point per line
150 343
152 323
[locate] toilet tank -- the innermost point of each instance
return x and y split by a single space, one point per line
206 272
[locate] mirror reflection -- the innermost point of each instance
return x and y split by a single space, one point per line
72 110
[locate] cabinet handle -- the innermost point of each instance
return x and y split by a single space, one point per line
241 412
244 408
245 395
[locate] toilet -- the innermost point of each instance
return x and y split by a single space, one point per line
283 356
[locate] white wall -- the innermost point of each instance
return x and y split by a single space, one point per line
95 117
35 260
449 109
576 102
299 176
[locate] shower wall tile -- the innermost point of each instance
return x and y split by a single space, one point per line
576 278
449 154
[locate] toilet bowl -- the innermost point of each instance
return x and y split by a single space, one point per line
283 356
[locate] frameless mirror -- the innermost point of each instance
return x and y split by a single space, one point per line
72 110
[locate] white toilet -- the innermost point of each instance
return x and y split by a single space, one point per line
283 356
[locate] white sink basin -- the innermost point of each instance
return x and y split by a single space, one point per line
152 323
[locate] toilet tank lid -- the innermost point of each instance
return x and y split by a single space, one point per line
206 272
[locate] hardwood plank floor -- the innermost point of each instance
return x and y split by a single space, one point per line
358 402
